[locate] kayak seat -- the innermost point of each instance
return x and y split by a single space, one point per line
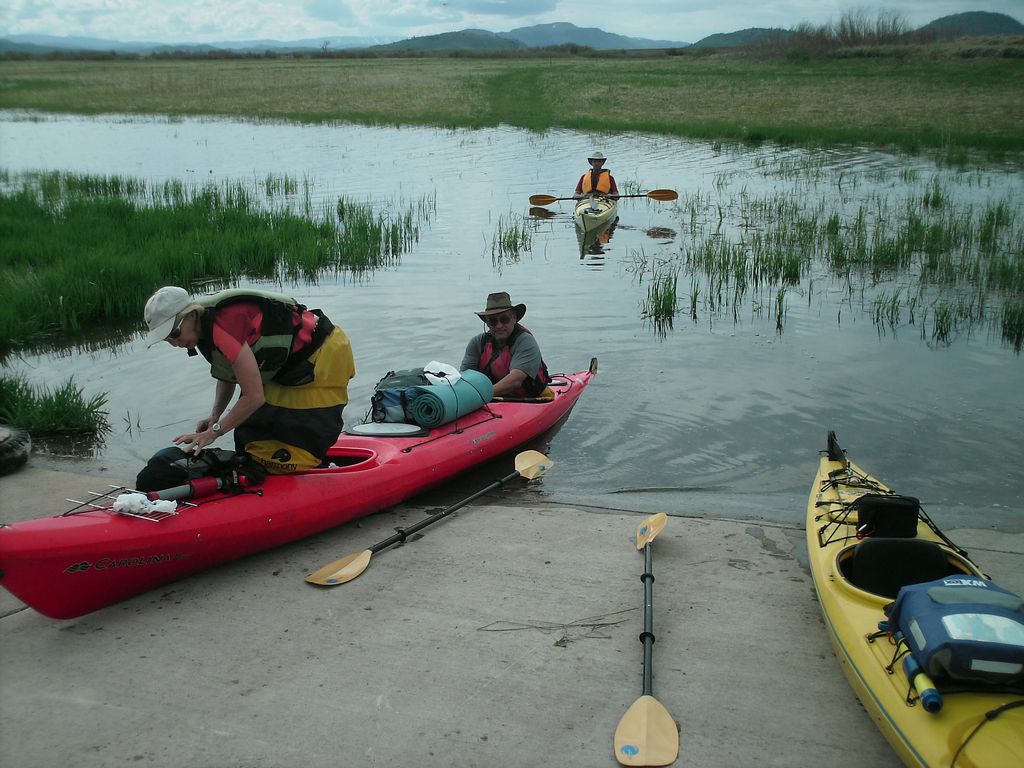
881 566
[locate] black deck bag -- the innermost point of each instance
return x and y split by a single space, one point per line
886 515
171 467
392 397
963 629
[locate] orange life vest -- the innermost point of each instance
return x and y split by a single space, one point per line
604 182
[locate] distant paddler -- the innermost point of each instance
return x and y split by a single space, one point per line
598 180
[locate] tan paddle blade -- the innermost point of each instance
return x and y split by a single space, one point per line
647 734
532 464
663 194
342 570
650 527
542 199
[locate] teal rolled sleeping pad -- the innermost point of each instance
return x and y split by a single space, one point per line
437 404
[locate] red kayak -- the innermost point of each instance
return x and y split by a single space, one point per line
91 557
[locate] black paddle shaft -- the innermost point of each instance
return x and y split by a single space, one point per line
404 533
647 636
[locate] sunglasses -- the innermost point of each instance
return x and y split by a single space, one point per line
176 332
502 319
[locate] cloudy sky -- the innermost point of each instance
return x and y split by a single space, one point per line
171 21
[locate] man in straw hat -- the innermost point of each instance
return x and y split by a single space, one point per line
507 352
598 180
291 364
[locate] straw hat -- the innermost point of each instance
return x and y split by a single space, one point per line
597 156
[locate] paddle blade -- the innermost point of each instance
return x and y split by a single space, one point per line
650 527
532 464
342 570
542 199
663 194
647 734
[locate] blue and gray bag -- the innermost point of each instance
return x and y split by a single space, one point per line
963 629
393 395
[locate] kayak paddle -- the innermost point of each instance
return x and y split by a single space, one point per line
654 194
529 464
647 734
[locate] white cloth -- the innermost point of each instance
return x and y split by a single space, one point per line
138 504
441 373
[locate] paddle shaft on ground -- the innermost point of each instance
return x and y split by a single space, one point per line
529 464
403 534
647 636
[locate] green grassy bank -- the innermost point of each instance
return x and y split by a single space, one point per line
915 98
94 248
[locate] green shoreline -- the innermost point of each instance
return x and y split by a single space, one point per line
921 98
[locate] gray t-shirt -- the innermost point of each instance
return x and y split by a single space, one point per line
525 354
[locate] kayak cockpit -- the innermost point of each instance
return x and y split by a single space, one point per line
345 458
883 566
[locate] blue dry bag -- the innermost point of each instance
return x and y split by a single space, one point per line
963 629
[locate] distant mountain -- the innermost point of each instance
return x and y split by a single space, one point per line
749 36
51 43
537 36
464 40
9 46
332 43
54 43
974 23
563 33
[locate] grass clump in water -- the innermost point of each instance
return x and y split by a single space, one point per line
41 411
662 302
512 236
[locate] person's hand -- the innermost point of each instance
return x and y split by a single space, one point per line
194 442
203 424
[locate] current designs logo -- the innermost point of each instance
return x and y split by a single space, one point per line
108 563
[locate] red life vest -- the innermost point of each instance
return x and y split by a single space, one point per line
497 364
604 182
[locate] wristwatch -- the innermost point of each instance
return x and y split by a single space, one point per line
215 427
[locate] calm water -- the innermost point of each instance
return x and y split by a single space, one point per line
712 417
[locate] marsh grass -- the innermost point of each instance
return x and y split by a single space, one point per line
662 302
44 411
91 249
513 235
1013 323
946 263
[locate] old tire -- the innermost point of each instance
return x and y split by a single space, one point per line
15 446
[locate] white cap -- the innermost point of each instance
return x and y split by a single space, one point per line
162 310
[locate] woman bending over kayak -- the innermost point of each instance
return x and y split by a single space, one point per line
507 352
292 365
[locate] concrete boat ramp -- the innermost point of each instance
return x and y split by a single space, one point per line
504 636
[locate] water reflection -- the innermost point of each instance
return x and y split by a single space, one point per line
594 244
719 403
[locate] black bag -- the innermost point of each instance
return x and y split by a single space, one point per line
393 395
885 515
171 467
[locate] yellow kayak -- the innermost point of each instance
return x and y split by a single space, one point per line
865 543
593 212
